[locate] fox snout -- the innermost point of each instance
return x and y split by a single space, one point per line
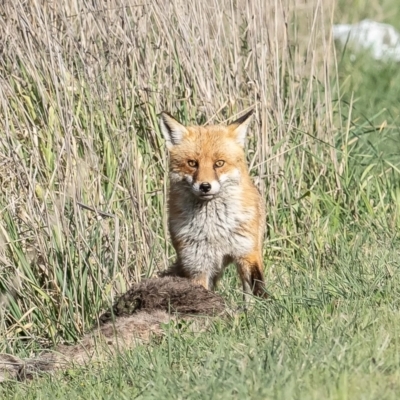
206 190
205 187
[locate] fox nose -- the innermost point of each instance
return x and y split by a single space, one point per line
205 187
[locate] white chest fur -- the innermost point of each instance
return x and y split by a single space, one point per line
211 230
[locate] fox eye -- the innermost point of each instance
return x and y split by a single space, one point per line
219 163
192 163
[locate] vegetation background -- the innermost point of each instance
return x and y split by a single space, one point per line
83 175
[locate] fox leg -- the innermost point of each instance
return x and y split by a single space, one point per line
251 274
177 269
173 270
202 279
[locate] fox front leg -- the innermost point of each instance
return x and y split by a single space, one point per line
250 270
202 279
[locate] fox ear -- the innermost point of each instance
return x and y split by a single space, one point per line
172 130
240 126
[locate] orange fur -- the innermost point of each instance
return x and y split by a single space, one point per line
216 214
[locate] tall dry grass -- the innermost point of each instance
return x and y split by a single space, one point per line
83 169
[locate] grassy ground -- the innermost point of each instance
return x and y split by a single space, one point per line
83 182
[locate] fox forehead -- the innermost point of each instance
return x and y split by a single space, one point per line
209 142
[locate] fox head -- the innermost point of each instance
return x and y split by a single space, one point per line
206 159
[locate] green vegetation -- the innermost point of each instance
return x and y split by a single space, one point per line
83 175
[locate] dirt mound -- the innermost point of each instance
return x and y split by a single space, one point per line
134 318
170 294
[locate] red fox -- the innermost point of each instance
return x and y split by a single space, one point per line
216 214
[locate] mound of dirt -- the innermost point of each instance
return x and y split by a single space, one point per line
135 317
170 294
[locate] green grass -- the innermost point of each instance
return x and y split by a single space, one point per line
330 333
83 175
370 93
